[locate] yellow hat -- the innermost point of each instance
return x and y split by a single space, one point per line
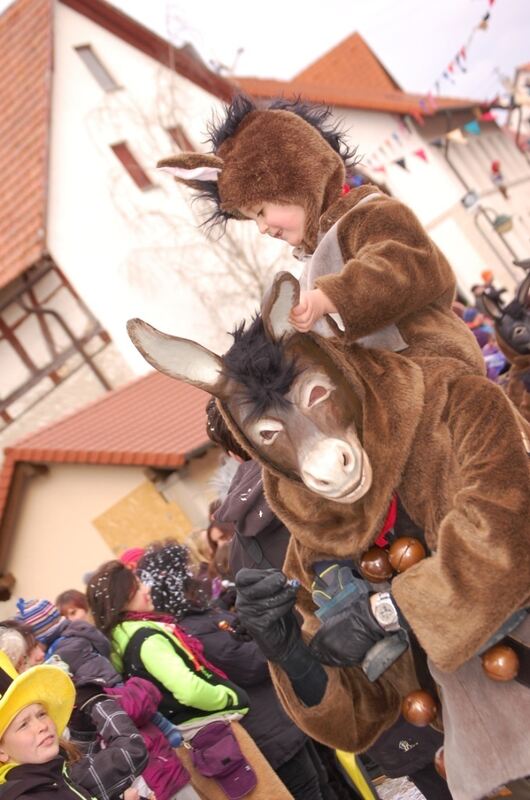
43 684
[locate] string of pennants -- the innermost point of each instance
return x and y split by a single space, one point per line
458 62
383 155
458 135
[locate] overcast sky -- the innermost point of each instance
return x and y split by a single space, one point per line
415 39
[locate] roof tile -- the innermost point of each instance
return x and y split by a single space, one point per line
349 76
25 28
154 421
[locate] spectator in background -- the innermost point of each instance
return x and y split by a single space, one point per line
34 652
195 693
34 710
132 556
166 569
72 604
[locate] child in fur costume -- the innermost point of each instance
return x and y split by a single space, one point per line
367 256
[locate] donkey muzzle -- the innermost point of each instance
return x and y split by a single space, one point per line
337 469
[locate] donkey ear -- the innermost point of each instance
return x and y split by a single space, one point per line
523 292
283 295
192 168
178 358
492 306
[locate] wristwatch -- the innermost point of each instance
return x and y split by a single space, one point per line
385 611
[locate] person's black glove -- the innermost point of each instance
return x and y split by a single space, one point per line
240 633
346 636
264 605
349 629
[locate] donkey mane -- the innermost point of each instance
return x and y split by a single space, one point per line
317 116
260 366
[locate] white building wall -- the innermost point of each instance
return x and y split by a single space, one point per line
126 250
434 192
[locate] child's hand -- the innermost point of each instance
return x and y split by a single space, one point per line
312 307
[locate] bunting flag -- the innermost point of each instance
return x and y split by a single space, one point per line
431 102
472 127
460 57
456 135
427 105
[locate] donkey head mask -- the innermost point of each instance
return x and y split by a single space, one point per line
285 399
512 322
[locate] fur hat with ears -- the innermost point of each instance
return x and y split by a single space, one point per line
286 153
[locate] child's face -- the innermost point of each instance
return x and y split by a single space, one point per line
31 738
75 613
141 599
34 657
285 222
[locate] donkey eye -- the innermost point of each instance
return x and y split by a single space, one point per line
266 430
520 330
317 394
268 436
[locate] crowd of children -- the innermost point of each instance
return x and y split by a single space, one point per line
162 694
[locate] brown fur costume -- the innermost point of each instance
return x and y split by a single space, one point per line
388 271
432 435
430 430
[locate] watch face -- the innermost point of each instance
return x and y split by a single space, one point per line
386 613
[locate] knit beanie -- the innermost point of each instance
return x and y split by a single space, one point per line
42 617
132 556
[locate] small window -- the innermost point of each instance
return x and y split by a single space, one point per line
181 138
133 167
97 68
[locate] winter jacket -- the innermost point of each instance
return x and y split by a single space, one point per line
87 652
192 694
245 505
164 774
104 776
268 724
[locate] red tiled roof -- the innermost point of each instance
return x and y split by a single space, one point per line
351 60
154 421
26 59
25 75
391 102
349 76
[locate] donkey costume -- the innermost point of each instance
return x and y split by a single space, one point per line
429 433
370 255
424 426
